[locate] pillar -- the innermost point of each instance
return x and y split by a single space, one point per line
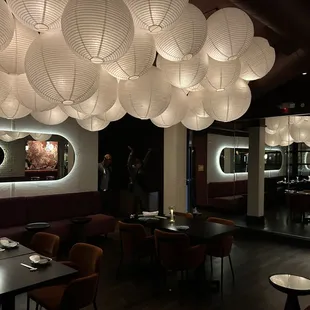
175 145
256 178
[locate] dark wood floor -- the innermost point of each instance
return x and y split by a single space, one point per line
254 261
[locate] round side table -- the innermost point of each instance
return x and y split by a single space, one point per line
291 285
78 228
33 228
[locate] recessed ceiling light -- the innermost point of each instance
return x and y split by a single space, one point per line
304 73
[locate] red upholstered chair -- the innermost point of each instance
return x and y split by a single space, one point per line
184 214
221 247
45 244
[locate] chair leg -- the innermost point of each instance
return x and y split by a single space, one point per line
211 262
231 268
28 302
95 305
222 275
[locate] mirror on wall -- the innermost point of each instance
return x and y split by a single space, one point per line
235 160
34 157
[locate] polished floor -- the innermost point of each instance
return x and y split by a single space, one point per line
254 262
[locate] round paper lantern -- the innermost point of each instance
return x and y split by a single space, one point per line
5 86
51 117
6 138
175 111
113 114
221 74
276 123
230 33
258 60
6 26
272 140
56 74
156 15
195 103
39 15
146 97
269 131
29 98
139 58
184 74
70 111
98 30
40 136
104 97
194 122
300 132
186 39
295 119
197 87
12 59
229 104
17 134
93 123
285 137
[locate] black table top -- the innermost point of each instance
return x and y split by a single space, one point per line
198 228
16 279
37 226
18 251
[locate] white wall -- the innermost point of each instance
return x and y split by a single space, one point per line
216 143
83 176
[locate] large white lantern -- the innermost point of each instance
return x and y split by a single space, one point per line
93 123
98 30
175 111
146 97
296 119
229 104
6 25
197 87
230 33
156 15
186 73
186 39
276 123
17 134
70 111
5 86
113 114
39 15
194 122
285 137
272 139
269 131
29 98
221 74
195 103
51 117
300 132
40 136
258 60
12 59
56 74
103 99
137 61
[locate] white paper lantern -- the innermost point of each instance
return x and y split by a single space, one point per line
56 74
229 104
12 59
175 111
276 123
285 137
29 98
113 114
195 103
6 138
272 140
258 60
221 74
184 74
269 131
197 87
39 15
295 119
146 97
156 15
230 33
70 111
5 86
300 132
104 97
194 122
6 26
51 117
98 30
17 134
137 61
40 136
186 39
93 123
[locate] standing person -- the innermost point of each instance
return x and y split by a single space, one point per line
136 169
104 181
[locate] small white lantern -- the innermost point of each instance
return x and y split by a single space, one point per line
197 87
40 136
5 86
113 114
285 137
17 134
276 123
93 123
195 103
71 112
6 26
194 122
51 117
272 139
300 132
269 131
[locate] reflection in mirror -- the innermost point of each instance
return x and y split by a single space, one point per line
34 156
1 155
235 160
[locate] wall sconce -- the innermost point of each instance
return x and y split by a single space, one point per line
171 214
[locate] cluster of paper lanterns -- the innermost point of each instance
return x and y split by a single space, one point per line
9 136
96 60
284 130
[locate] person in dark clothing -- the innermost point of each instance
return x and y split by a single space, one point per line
136 169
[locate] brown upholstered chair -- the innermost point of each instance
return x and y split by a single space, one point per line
187 215
45 244
81 291
221 247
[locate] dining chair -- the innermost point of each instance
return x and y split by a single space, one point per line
45 244
184 214
221 248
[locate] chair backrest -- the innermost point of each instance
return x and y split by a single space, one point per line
220 221
80 293
45 244
187 215
86 257
131 236
170 247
